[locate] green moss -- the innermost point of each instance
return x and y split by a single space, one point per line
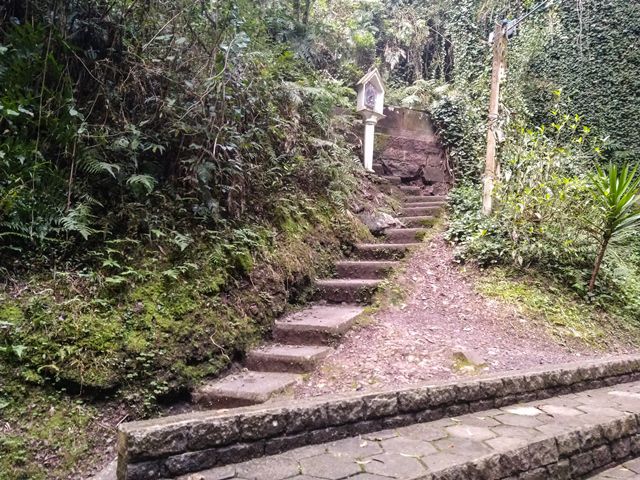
10 312
48 439
563 314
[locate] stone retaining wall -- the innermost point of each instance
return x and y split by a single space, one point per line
190 442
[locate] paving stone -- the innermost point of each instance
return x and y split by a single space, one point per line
471 432
424 431
439 461
485 421
633 465
525 411
329 466
308 451
407 446
559 410
368 476
518 420
221 473
462 447
268 468
357 448
506 443
394 465
381 435
518 432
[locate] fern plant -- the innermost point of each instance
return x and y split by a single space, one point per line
616 194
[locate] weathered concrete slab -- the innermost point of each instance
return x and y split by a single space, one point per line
364 268
286 358
419 221
383 251
424 199
410 189
346 290
405 235
246 388
410 211
317 325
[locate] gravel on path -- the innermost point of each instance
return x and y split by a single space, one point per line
442 313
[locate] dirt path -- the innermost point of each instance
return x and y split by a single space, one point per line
442 313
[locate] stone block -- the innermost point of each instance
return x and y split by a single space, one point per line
414 400
381 405
515 461
537 474
285 443
348 410
581 464
192 461
151 470
213 433
240 452
560 470
155 441
601 456
568 444
397 421
543 453
442 395
621 448
458 409
307 418
591 437
620 427
259 425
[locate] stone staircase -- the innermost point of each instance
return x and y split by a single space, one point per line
304 338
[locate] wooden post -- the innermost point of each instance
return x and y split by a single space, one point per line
499 55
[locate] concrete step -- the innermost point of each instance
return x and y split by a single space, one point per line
346 290
410 189
425 205
405 235
383 251
364 268
424 198
419 221
392 179
317 325
286 358
554 422
419 211
242 389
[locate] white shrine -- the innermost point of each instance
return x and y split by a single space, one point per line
370 106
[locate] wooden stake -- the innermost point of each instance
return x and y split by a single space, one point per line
499 55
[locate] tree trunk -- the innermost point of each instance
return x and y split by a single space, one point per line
296 10
490 169
598 263
307 11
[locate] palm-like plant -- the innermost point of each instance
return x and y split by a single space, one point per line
616 192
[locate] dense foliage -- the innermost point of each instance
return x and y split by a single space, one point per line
168 171
173 173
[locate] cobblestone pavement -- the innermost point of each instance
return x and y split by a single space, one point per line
416 450
629 470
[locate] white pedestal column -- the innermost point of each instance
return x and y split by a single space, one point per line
369 136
